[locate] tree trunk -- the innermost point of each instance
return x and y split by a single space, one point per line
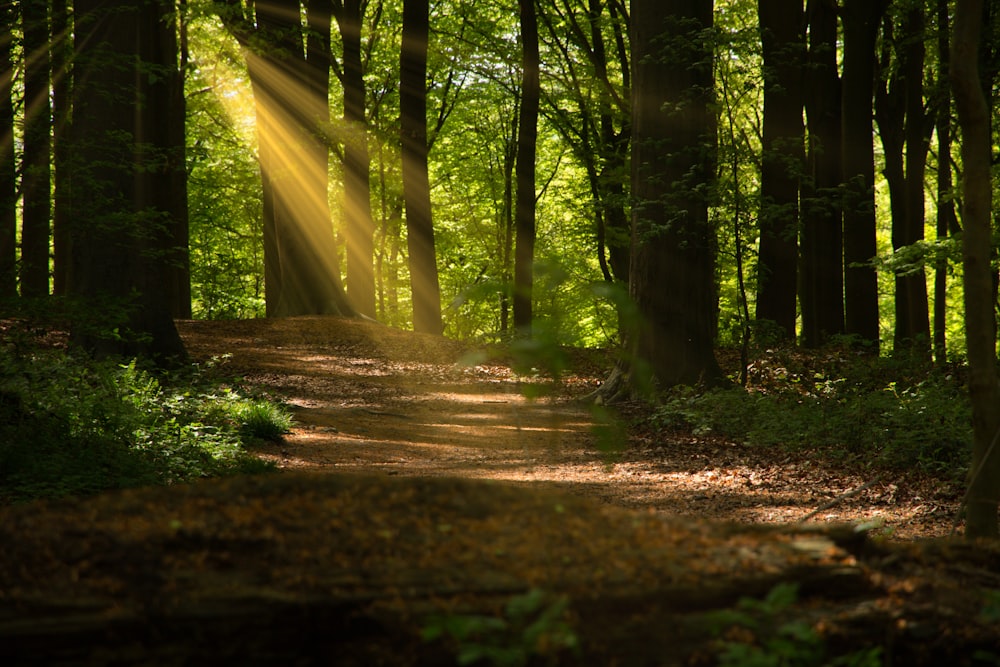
527 137
118 230
947 222
8 182
821 295
973 115
860 19
62 49
416 185
358 226
672 276
173 29
783 41
35 177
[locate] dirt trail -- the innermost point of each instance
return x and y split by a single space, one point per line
368 398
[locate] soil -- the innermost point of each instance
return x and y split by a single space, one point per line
371 399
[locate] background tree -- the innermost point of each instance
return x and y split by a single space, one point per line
62 51
673 254
8 169
416 184
36 172
527 137
860 21
821 295
782 160
983 495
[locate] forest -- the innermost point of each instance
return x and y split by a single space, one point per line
243 238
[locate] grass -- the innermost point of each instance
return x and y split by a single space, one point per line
71 426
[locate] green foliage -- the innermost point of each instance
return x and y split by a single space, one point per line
902 414
533 626
70 426
768 637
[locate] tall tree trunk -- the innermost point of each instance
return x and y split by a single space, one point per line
947 222
416 184
173 30
62 49
973 114
860 20
783 41
35 177
674 143
118 264
8 182
527 137
821 295
359 228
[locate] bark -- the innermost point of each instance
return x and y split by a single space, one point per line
527 137
821 295
62 49
860 19
424 283
35 175
947 221
173 31
782 162
358 226
8 183
672 278
118 266
984 389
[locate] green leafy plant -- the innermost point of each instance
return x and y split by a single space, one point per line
767 637
533 625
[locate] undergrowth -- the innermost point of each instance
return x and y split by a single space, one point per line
73 426
896 413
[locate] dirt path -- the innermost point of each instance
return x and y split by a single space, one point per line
372 399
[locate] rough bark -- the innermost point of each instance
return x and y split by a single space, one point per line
984 388
62 49
821 295
527 138
782 161
424 284
672 278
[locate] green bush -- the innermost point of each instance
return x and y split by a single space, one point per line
71 426
902 415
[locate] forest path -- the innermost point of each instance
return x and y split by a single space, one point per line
372 399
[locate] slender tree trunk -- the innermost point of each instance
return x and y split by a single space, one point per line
173 29
359 228
984 388
8 183
35 178
62 49
821 295
673 159
947 221
860 24
527 137
783 40
507 219
416 184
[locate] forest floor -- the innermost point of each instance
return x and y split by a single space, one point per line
430 510
372 399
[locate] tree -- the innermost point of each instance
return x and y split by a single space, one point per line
291 96
821 295
983 494
527 138
358 225
782 161
8 169
35 173
860 21
672 279
62 51
118 233
416 184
